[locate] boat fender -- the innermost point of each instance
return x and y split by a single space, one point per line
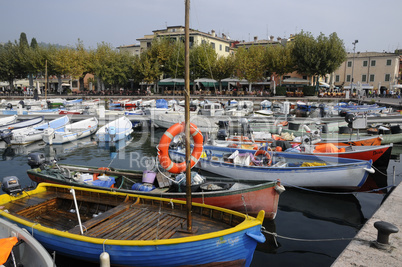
259 237
371 170
306 128
163 147
279 188
104 259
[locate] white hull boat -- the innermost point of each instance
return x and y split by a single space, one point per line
27 251
115 130
292 169
71 132
35 133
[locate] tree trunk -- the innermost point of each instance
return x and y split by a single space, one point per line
59 84
11 82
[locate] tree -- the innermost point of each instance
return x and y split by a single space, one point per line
202 58
23 40
279 59
318 56
250 63
223 68
11 63
34 43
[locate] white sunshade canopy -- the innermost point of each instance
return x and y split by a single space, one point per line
295 80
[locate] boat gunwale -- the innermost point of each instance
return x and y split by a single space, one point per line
247 223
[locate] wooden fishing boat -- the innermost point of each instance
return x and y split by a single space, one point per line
243 197
19 248
34 133
380 155
70 132
132 230
115 130
293 169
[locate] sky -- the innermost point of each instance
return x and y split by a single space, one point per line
375 24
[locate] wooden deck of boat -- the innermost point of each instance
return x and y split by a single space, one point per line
118 218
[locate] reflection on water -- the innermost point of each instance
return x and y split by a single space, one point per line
341 209
301 214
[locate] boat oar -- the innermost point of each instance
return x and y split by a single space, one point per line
108 172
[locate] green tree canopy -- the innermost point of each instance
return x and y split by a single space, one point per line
318 56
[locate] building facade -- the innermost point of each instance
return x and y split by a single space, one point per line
372 69
134 49
222 45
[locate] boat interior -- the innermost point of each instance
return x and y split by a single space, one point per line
118 217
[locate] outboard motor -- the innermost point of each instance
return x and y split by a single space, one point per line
112 133
9 106
343 112
22 103
221 134
48 135
176 142
28 107
36 160
245 127
223 125
86 110
322 110
6 135
11 185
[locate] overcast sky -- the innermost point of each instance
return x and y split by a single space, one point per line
375 24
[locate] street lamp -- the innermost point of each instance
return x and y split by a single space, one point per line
353 62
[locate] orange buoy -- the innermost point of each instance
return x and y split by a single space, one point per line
163 147
266 154
278 148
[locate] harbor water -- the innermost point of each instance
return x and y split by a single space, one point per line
312 228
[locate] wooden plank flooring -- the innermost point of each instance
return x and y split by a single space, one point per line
119 218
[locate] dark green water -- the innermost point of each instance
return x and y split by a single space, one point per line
302 214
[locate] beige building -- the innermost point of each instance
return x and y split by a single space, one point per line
257 41
371 69
220 44
133 49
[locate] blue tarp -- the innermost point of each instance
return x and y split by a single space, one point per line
161 103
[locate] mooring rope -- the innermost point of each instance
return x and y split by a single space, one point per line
337 193
275 235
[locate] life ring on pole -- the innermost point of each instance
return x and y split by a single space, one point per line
163 147
266 154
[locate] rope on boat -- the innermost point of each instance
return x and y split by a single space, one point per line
244 203
377 170
104 245
167 177
275 235
338 193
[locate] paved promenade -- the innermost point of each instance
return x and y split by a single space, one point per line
361 253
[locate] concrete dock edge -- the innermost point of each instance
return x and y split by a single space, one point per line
361 253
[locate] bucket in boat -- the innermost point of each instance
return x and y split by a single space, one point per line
148 177
86 178
293 126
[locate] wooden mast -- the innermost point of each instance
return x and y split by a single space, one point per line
46 80
187 112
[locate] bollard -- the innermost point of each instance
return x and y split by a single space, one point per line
384 230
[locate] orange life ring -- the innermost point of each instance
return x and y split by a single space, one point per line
163 153
266 154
